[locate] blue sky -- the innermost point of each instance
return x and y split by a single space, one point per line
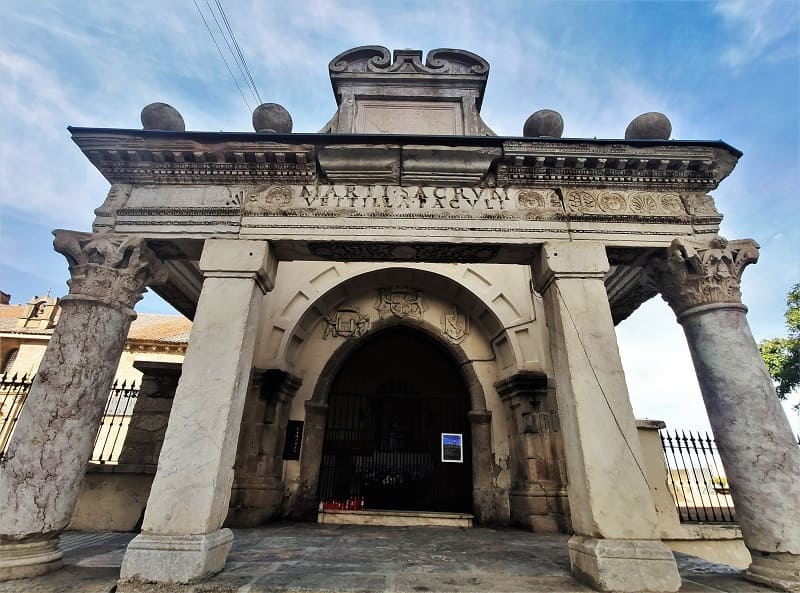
719 70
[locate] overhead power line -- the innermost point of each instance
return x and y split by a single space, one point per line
234 50
238 49
221 55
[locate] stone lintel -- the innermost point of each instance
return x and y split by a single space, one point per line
624 566
232 258
176 558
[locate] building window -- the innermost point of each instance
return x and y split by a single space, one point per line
8 361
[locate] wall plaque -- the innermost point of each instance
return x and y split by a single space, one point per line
294 440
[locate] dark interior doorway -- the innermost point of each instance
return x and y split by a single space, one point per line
389 405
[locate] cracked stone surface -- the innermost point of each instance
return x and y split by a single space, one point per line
755 442
42 472
322 558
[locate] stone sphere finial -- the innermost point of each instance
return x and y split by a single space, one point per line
272 118
544 122
160 116
649 126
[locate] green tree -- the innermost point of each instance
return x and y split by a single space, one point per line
782 355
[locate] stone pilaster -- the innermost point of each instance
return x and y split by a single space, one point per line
305 503
42 471
258 485
484 493
700 279
538 497
616 545
181 537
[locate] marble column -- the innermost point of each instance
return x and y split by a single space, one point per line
41 474
616 545
182 537
700 279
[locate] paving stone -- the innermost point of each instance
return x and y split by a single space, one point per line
310 558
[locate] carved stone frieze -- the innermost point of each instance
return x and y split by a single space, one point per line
611 202
260 199
107 267
544 200
356 251
400 302
700 205
346 322
701 272
455 325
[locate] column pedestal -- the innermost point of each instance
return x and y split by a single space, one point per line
182 539
616 546
42 472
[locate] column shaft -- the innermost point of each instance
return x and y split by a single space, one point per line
616 545
42 471
700 279
181 539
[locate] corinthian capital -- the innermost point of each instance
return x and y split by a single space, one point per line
110 268
699 272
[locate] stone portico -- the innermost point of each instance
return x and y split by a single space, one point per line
405 220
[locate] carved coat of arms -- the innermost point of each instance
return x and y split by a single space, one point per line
455 325
347 322
400 302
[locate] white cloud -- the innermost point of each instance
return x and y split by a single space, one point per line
764 29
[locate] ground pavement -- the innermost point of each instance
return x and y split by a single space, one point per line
311 558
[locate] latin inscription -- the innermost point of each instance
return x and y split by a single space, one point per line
400 197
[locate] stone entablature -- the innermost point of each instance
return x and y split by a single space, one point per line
427 190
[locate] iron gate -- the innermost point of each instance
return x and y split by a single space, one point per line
383 451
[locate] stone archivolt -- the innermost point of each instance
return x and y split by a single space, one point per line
697 273
108 268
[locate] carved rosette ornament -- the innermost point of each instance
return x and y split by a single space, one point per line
699 273
113 269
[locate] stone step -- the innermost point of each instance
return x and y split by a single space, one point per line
394 518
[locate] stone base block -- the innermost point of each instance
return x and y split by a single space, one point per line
29 559
780 570
395 518
625 566
176 558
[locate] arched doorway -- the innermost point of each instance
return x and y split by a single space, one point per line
388 407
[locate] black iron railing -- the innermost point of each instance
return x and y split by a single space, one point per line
113 426
13 393
696 478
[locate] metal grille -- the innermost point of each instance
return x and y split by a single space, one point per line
13 393
696 478
383 451
113 426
